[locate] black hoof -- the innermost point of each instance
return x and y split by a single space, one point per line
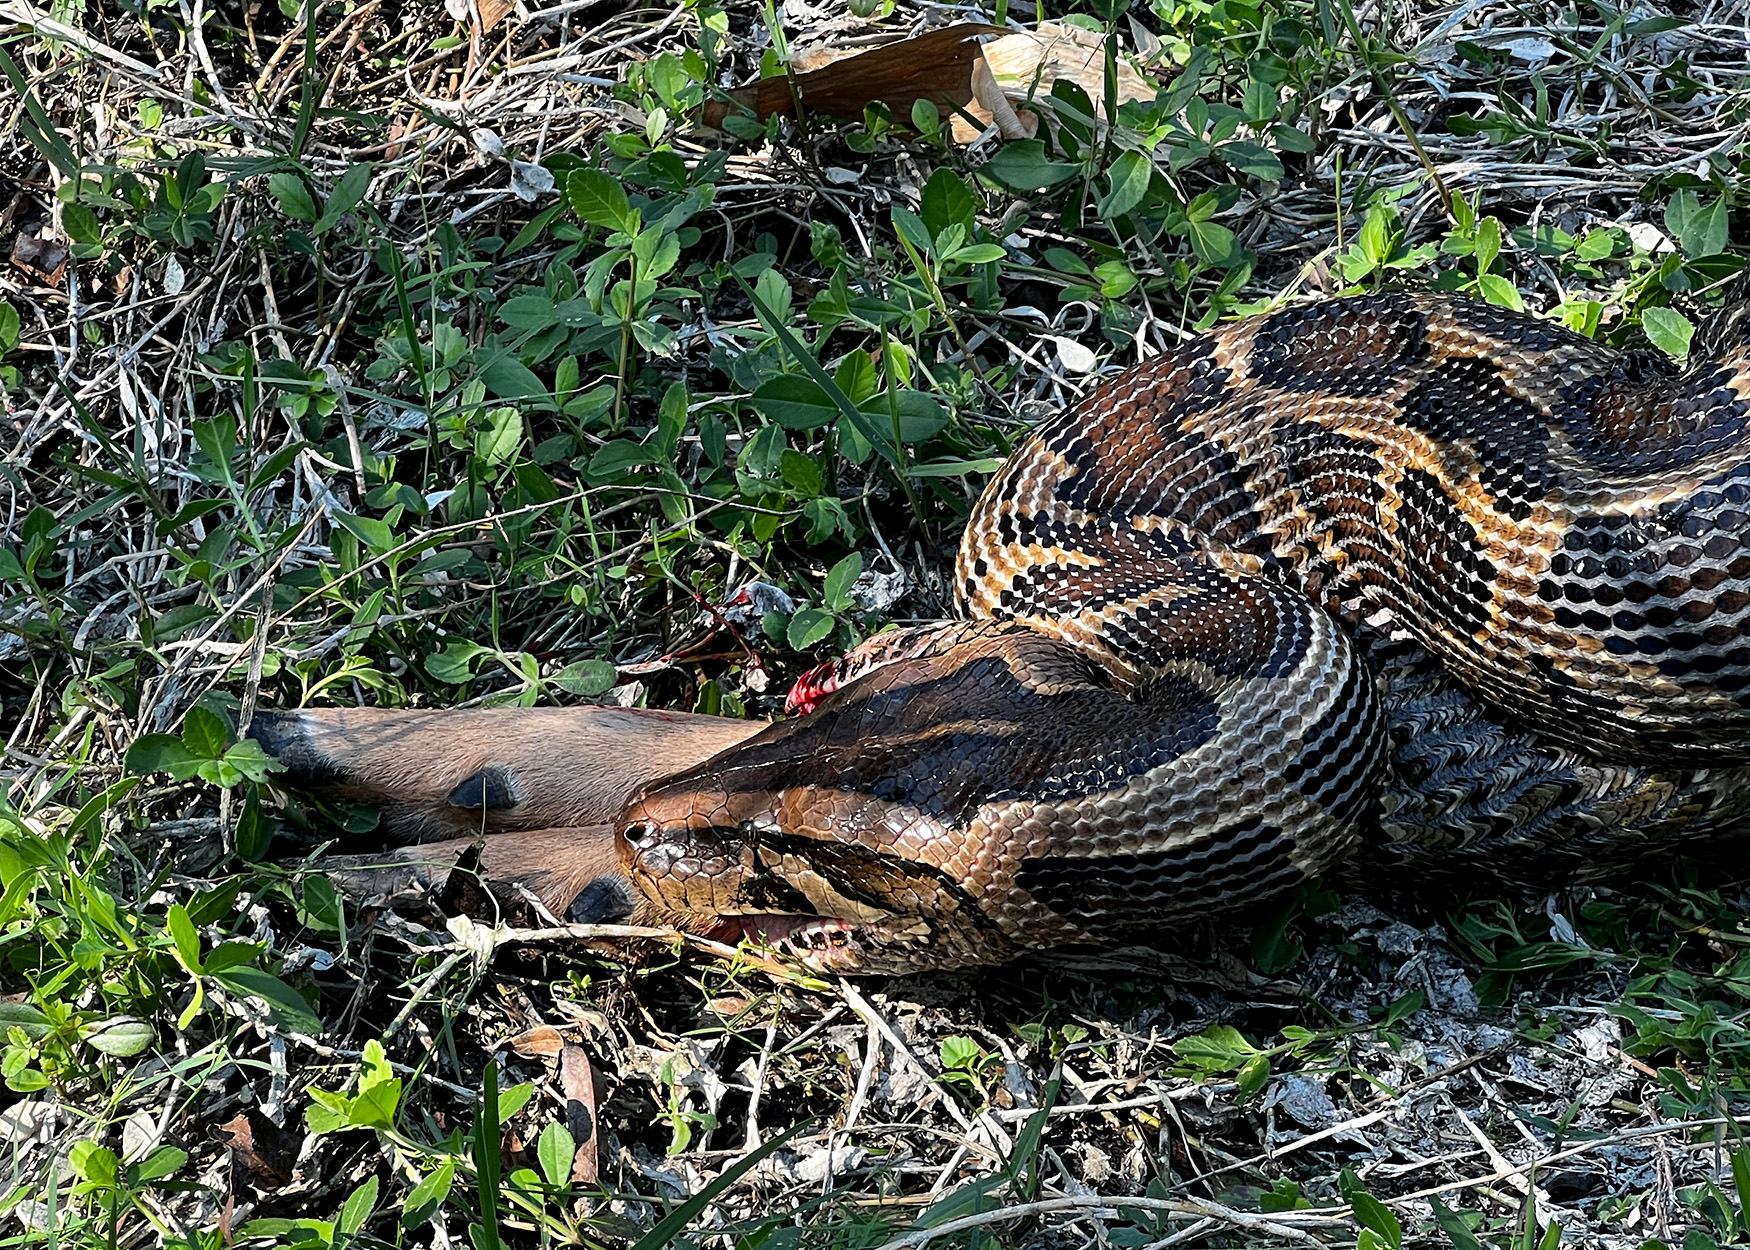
603 901
492 789
285 736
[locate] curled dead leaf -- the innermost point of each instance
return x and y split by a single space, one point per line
262 1153
976 76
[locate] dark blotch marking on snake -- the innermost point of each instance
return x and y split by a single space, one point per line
1344 348
1467 401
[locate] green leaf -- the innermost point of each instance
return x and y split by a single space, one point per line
1452 1224
94 1163
587 678
1258 104
1252 159
947 201
294 197
1252 1075
1488 244
618 458
1597 245
185 940
801 474
1219 1048
487 1159
1707 232
959 1053
254 832
1024 167
1283 1196
911 227
454 664
1291 138
514 1100
321 902
794 402
837 589
1668 330
24 1016
1741 1181
1403 1008
1374 1214
162 1162
556 1151
808 627
9 326
346 196
205 733
1498 291
501 437
599 200
1128 179
921 416
218 439
249 759
284 1004
529 312
160 753
509 378
373 533
81 224
121 1036
979 253
428 1196
1214 244
375 1105
228 955
357 1208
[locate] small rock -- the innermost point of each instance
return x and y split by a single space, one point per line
527 180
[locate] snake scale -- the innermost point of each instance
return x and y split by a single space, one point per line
1395 578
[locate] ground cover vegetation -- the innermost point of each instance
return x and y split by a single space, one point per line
409 354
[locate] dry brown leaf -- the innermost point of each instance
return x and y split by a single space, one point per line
956 68
943 66
492 12
41 258
543 1039
1031 61
577 1080
262 1153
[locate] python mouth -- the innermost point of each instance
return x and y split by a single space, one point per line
802 936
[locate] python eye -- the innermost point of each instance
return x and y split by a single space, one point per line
640 831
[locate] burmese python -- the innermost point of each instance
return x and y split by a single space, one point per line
1394 576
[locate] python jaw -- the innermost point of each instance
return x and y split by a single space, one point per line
751 882
793 868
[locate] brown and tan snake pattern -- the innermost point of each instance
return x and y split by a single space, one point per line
1392 580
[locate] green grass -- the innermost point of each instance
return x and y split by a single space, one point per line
322 412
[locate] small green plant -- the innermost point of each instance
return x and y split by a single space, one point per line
969 1067
683 1120
206 749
